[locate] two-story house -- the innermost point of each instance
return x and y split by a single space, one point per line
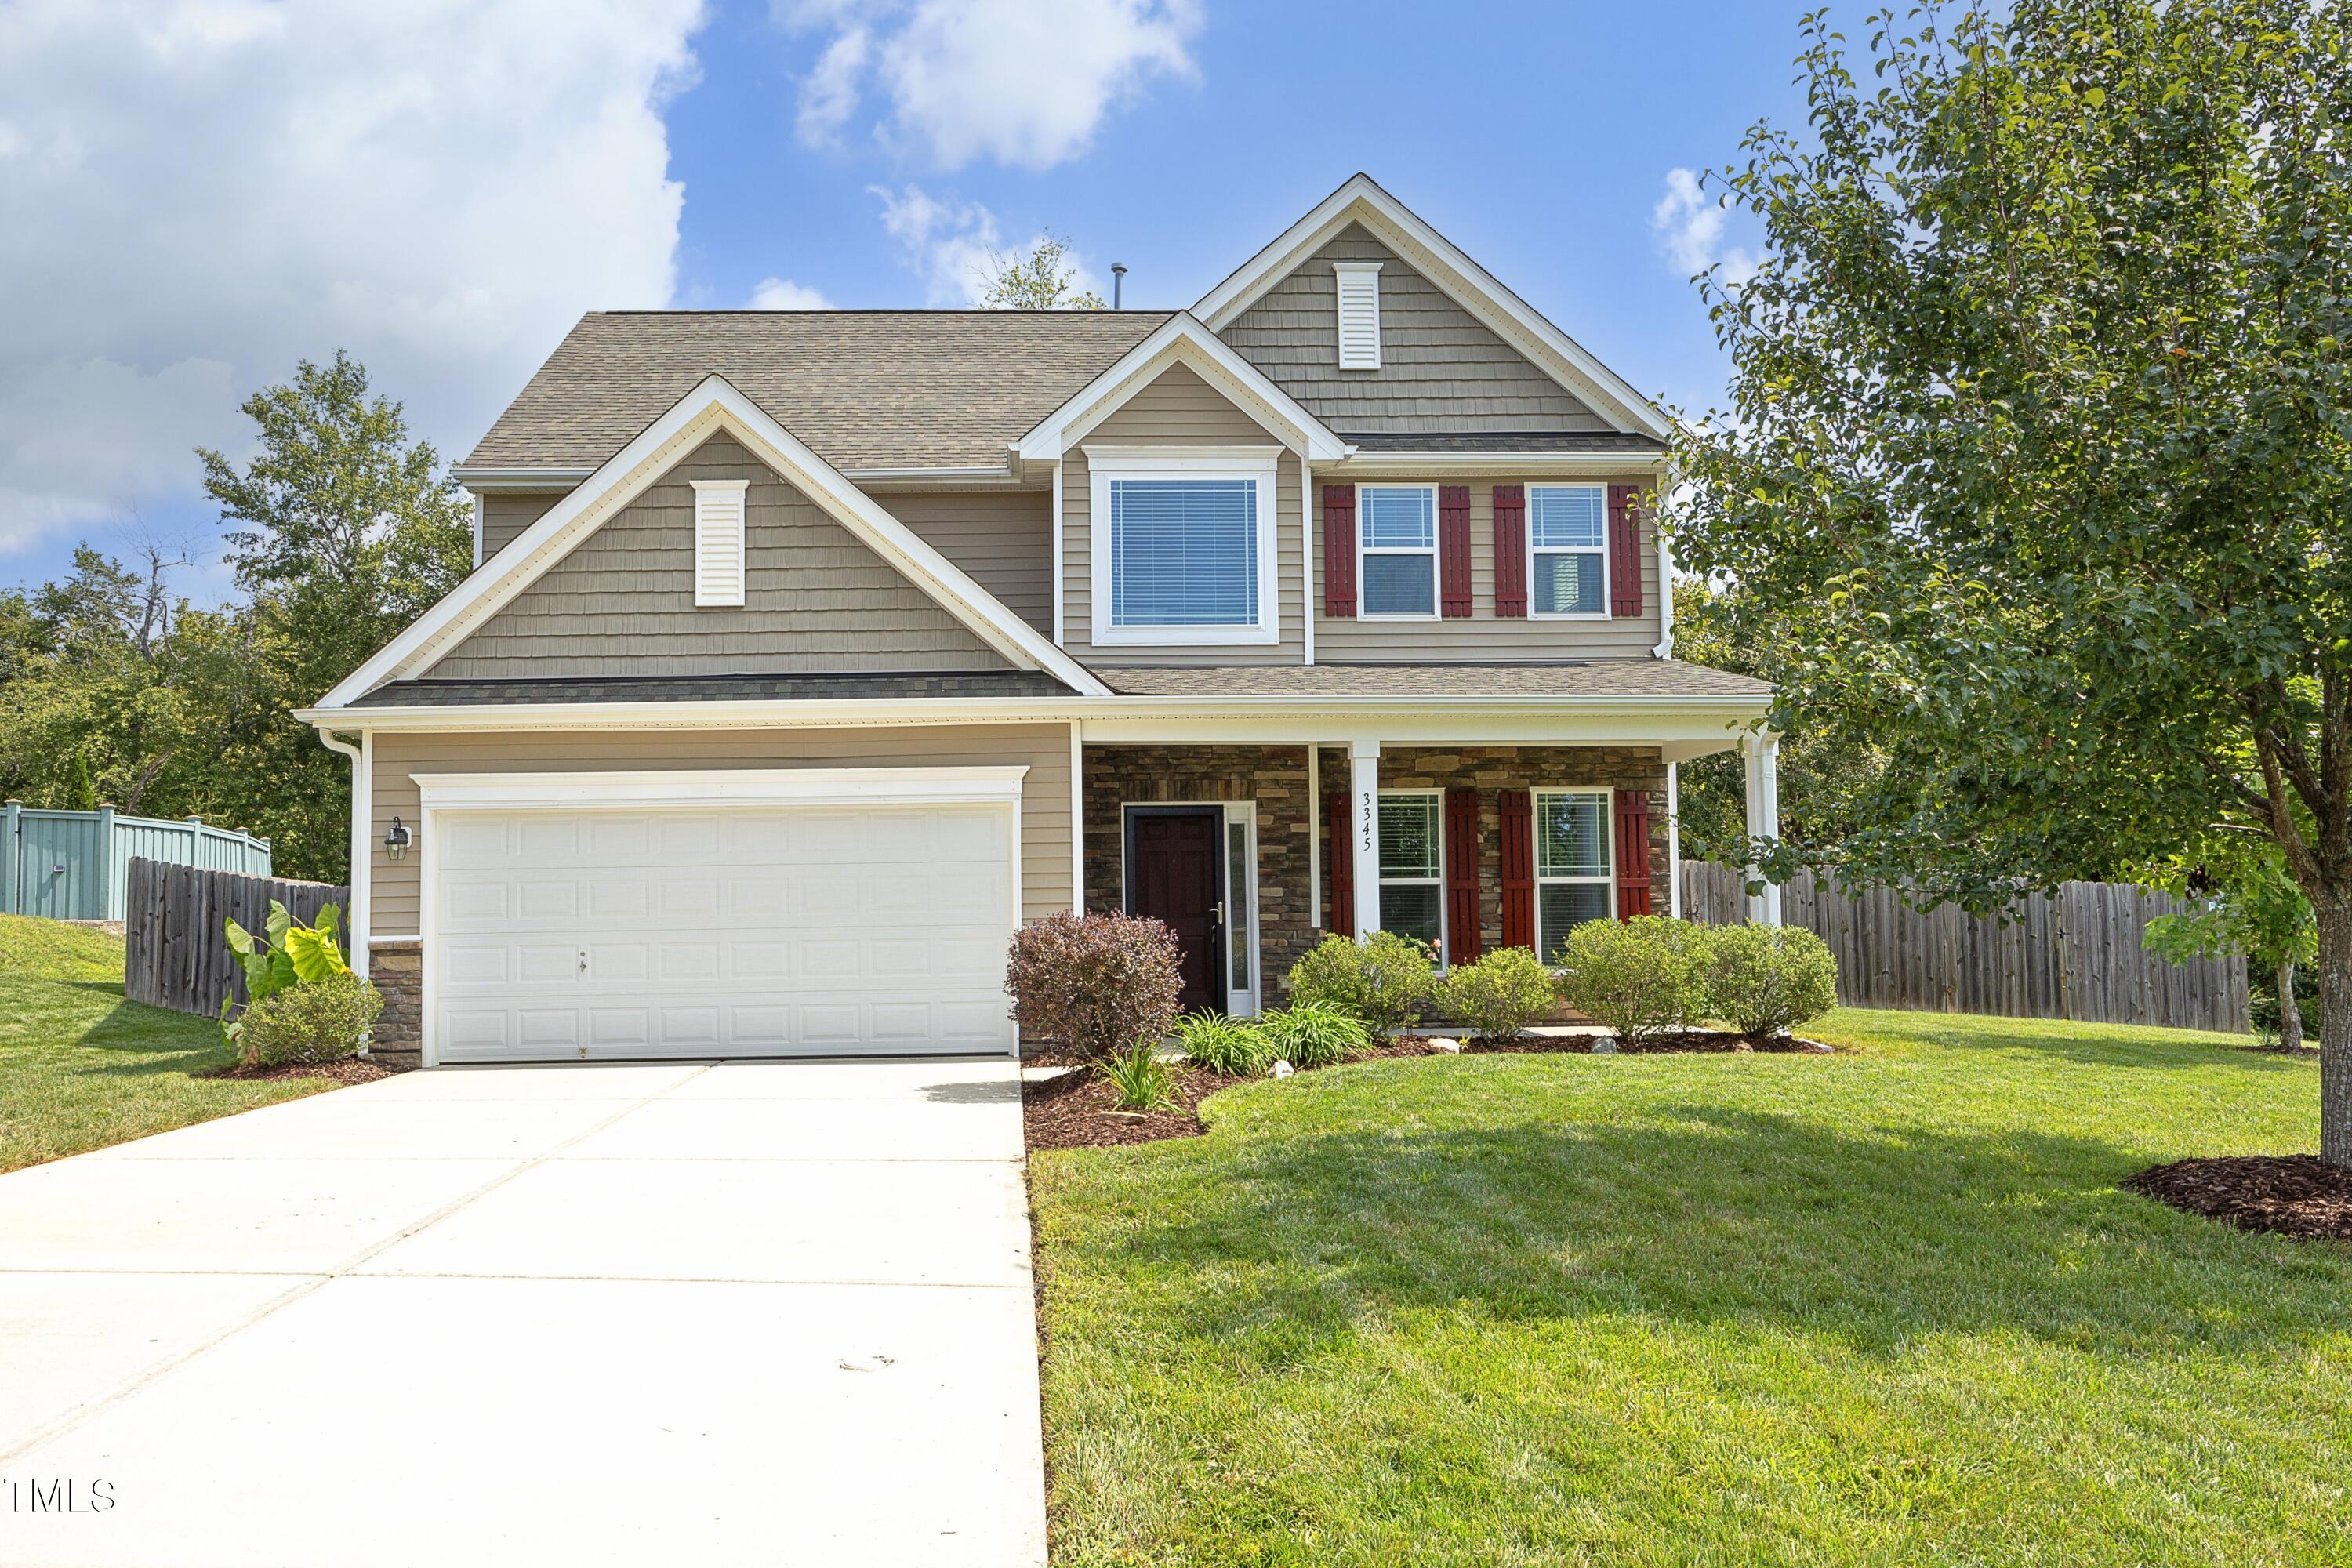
810 652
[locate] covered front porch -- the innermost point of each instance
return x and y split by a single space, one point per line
1252 850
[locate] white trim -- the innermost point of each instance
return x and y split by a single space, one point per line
1364 795
1437 797
1314 836
1363 581
1761 755
1078 818
1366 466
1108 465
721 531
1608 799
1446 265
1674 838
1181 340
703 787
1527 534
1060 563
712 406
1358 284
1310 518
404 939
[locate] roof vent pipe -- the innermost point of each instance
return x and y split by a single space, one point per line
1117 281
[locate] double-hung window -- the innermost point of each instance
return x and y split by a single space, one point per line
1184 546
1413 865
1399 527
1572 869
1567 546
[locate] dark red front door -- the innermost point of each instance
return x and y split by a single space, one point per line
1171 876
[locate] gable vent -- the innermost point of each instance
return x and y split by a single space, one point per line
718 541
1360 314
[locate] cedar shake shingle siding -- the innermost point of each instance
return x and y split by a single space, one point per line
622 602
1442 369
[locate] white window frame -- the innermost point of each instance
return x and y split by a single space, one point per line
1437 800
1255 464
1364 276
1363 551
708 518
1606 587
1545 945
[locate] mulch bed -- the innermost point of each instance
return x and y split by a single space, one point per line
2289 1194
347 1070
1079 1110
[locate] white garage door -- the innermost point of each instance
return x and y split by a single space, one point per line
793 931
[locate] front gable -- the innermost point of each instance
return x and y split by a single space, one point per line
816 598
1442 369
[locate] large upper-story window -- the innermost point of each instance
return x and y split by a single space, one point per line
1184 546
1399 549
1567 542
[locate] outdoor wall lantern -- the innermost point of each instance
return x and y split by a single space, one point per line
395 840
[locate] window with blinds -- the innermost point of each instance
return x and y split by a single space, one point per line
1399 525
718 542
1360 314
1572 865
1183 553
1568 534
1412 862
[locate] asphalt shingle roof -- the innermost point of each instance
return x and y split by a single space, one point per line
865 389
1597 677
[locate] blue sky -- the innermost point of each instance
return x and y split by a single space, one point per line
453 184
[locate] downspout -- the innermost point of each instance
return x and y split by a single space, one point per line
1666 645
356 917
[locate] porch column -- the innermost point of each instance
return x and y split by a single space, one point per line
1762 753
1364 782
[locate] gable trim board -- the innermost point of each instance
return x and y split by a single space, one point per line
1181 341
712 406
1445 264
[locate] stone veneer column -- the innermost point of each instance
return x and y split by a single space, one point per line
398 972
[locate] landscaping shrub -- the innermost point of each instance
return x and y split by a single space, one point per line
1767 979
1386 980
317 1021
1096 984
1138 1079
1230 1045
1314 1034
1501 994
1641 978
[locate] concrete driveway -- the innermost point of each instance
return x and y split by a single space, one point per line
749 1312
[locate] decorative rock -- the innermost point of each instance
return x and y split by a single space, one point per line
1604 1045
1283 1069
1444 1047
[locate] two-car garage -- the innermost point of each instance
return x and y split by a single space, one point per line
811 911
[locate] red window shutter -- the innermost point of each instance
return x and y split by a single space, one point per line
1511 558
1517 809
1454 547
1339 868
1625 549
1461 876
1339 552
1632 853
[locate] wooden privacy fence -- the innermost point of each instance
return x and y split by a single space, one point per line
173 928
2078 954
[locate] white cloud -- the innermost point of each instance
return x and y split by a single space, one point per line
1690 224
1023 82
201 192
953 245
784 294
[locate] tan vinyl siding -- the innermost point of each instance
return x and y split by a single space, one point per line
622 602
1044 796
1003 540
506 514
1442 369
1180 409
1485 636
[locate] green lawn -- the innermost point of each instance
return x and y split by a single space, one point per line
80 1068
1884 1307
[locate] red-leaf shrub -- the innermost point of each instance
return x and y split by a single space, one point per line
1097 984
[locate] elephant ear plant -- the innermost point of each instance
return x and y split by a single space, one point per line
284 956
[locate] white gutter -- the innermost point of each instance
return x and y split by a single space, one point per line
362 850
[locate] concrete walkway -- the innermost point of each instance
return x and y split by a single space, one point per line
750 1312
